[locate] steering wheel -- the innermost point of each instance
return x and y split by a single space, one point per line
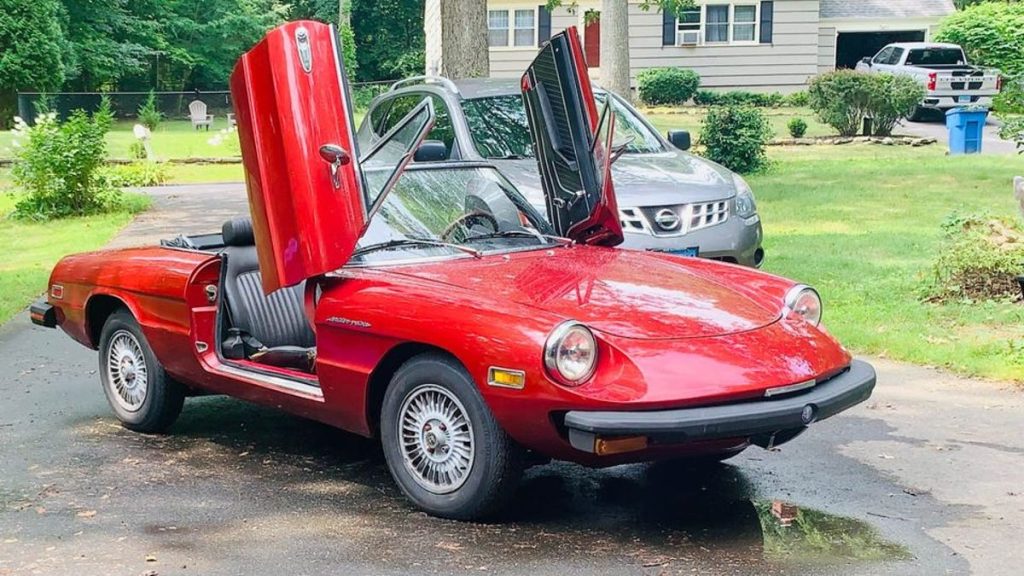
466 220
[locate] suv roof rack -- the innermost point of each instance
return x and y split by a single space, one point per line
426 80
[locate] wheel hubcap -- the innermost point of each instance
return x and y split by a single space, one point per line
437 439
126 371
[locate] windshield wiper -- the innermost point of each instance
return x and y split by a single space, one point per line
525 233
400 242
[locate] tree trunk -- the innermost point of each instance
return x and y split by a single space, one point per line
464 51
615 47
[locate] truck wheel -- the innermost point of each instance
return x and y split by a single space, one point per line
918 115
144 398
443 446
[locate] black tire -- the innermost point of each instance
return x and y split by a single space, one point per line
497 462
163 397
919 114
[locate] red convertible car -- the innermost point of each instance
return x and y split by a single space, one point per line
427 304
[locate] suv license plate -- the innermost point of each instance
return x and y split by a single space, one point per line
964 99
692 252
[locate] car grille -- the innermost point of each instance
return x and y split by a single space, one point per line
674 220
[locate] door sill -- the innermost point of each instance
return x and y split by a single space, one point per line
297 385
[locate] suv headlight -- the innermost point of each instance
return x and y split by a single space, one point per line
570 353
745 204
805 302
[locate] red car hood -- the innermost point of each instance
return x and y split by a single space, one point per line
618 292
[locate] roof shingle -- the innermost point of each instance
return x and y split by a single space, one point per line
877 9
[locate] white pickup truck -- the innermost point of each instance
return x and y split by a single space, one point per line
942 69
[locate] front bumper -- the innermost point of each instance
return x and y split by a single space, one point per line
737 240
43 314
785 416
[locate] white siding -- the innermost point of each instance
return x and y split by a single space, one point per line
784 65
826 49
512 62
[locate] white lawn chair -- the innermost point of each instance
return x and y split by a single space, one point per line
231 120
197 113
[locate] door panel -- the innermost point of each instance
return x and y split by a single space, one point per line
291 97
563 120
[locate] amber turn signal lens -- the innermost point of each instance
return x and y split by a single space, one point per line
606 446
506 378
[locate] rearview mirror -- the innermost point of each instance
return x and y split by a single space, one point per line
431 151
337 157
679 138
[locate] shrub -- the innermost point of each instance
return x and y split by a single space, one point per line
56 165
149 116
797 127
667 85
735 137
134 174
797 99
1011 99
841 99
1014 130
990 33
893 98
739 98
137 150
980 259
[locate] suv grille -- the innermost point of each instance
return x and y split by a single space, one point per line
674 220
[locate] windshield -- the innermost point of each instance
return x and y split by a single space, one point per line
465 206
500 129
935 57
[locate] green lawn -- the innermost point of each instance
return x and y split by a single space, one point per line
31 249
862 224
690 118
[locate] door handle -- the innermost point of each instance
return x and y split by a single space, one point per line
336 157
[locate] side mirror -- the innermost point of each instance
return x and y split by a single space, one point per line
866 60
431 151
680 139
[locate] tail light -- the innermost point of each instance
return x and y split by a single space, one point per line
932 80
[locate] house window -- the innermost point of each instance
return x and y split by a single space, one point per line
744 26
716 26
497 27
525 28
511 28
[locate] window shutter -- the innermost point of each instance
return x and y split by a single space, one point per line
543 25
767 20
668 28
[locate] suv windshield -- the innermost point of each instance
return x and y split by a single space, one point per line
500 129
935 57
436 211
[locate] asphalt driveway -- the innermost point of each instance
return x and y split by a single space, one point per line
925 478
935 127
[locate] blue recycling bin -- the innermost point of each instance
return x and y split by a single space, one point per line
966 127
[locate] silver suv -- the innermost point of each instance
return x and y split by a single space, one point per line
669 200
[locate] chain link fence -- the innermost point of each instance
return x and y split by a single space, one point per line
173 105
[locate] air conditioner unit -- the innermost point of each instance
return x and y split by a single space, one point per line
690 38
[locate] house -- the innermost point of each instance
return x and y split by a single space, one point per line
761 45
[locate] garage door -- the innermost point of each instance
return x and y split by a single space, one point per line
852 46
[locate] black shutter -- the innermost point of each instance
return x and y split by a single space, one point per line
767 20
543 25
668 28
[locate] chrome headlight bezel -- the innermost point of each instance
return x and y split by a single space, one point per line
794 303
745 203
554 357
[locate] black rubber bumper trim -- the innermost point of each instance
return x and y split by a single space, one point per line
729 420
43 314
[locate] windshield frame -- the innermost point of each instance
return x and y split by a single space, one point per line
517 198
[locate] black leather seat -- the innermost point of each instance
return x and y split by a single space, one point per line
271 329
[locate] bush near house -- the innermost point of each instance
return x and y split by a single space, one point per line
843 98
735 137
990 33
1011 99
797 127
739 98
657 86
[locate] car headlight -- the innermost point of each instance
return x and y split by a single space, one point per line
570 353
745 204
805 302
